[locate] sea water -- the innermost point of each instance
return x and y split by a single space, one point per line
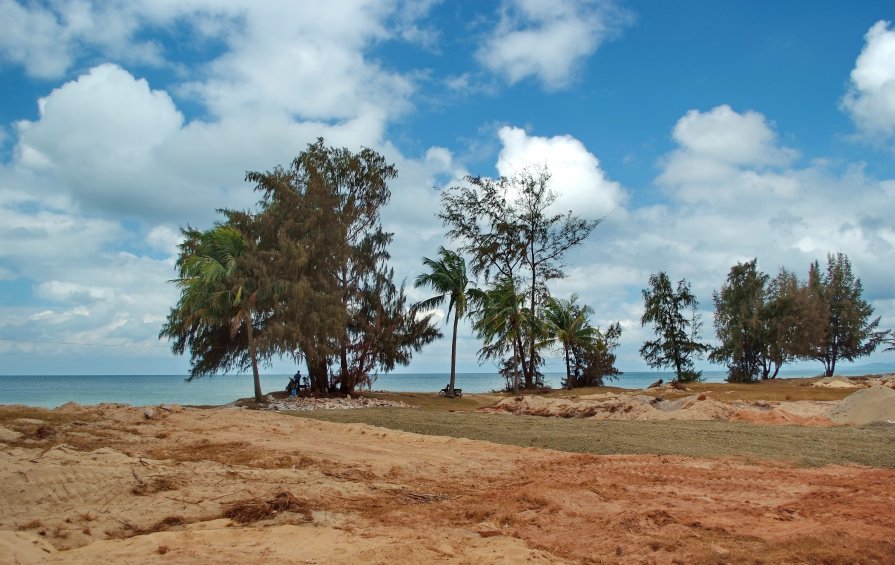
51 391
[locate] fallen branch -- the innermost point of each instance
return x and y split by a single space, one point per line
224 495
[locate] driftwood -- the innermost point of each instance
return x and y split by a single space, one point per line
656 384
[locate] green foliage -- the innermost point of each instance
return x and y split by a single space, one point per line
504 226
849 332
566 325
740 323
500 318
343 309
219 304
312 276
447 276
793 322
586 350
593 361
763 323
676 342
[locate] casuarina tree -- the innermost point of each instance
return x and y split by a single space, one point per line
676 323
850 331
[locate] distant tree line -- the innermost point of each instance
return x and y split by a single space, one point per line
305 275
762 323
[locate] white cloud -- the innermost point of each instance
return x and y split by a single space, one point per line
307 60
871 96
97 135
113 144
576 177
46 38
548 40
725 155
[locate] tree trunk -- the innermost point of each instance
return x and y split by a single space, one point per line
319 376
676 352
526 375
532 367
569 383
453 356
515 368
254 356
345 387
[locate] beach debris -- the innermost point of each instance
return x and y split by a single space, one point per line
149 413
337 403
256 509
656 384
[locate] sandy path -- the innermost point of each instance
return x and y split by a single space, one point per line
94 487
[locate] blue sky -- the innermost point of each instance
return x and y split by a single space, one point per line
705 132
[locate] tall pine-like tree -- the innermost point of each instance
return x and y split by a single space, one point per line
677 334
850 331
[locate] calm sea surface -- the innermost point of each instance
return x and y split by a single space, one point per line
54 390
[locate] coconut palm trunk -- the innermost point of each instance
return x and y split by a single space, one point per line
454 356
447 276
250 334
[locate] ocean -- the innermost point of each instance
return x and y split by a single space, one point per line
50 391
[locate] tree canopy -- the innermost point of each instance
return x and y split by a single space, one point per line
316 251
677 336
505 226
850 331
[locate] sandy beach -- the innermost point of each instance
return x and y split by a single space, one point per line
116 484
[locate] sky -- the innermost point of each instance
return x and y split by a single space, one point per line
704 134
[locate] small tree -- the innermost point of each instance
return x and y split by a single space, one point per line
594 361
447 276
566 325
740 323
849 331
793 322
677 336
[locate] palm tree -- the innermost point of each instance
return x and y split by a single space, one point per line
216 297
566 324
501 317
447 276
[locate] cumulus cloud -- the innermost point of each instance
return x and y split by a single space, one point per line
113 144
871 96
723 154
548 40
576 176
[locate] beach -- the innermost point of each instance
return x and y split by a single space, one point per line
117 483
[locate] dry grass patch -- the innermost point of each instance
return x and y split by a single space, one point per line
806 445
228 453
256 509
155 484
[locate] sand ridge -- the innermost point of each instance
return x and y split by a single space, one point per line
871 402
